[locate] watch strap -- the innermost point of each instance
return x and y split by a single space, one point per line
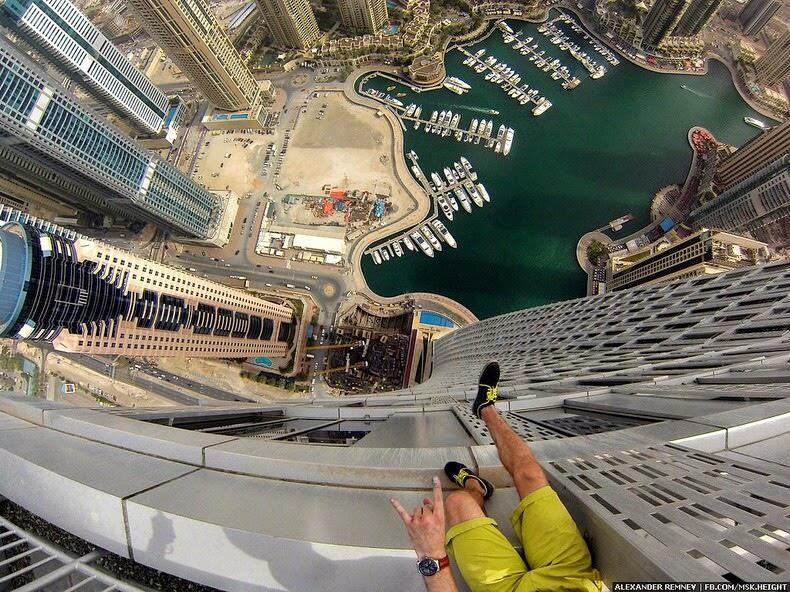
444 562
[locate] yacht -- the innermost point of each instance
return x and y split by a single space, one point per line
428 125
473 193
480 53
410 109
756 123
472 131
469 169
483 192
499 137
448 174
408 243
385 253
480 130
444 234
397 248
489 128
508 141
417 113
420 241
542 107
459 83
438 127
446 209
463 199
376 257
456 119
460 173
431 237
437 180
451 200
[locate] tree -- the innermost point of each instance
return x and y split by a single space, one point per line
595 250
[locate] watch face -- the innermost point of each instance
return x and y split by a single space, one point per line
428 566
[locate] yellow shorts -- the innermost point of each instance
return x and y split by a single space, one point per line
557 556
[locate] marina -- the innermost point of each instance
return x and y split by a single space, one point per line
554 33
456 188
554 67
507 79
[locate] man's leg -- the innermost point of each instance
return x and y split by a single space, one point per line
486 559
514 453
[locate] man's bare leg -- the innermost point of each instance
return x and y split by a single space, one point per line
515 454
465 504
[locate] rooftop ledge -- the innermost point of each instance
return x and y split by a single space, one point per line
250 514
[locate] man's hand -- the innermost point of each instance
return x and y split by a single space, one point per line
426 525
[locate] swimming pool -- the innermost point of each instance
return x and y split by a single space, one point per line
264 361
428 317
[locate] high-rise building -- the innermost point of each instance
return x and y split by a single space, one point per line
774 65
703 253
752 156
368 15
695 17
46 127
190 35
61 32
756 14
291 22
85 296
660 21
758 206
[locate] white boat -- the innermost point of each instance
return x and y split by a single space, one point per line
448 174
508 141
385 254
499 137
429 125
376 257
439 122
410 110
408 243
397 248
456 119
420 241
453 88
460 173
451 200
480 130
483 192
416 171
417 113
504 26
444 234
463 199
445 207
542 107
437 180
469 169
480 53
431 238
473 193
459 83
489 128
757 123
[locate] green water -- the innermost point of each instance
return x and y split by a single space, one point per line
601 151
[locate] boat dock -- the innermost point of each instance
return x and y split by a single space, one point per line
560 39
599 47
461 132
557 70
478 65
394 247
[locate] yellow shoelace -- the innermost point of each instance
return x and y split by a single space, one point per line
491 393
462 476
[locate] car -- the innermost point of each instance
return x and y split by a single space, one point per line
307 288
268 285
227 265
313 277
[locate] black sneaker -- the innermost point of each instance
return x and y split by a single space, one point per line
459 473
486 388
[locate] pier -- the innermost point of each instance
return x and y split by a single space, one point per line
476 63
555 67
599 47
552 30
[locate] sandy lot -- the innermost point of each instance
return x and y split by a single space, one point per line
241 171
348 148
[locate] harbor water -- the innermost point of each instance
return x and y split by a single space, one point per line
602 150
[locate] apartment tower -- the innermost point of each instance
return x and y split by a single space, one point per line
66 37
660 21
756 14
367 15
695 17
55 144
291 22
773 67
193 39
84 296
752 156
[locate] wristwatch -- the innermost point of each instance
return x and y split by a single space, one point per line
428 566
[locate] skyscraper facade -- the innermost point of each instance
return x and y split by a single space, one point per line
660 21
44 124
291 22
756 14
752 156
190 35
66 36
695 17
774 65
759 205
85 296
369 15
